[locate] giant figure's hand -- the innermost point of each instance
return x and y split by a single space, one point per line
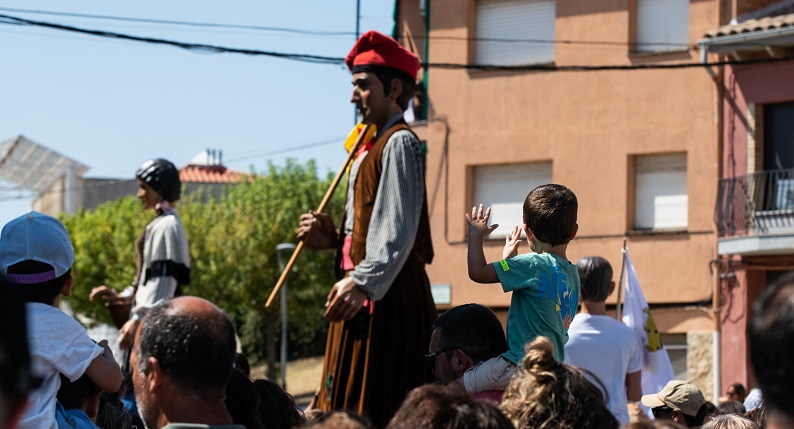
127 334
344 301
317 231
107 294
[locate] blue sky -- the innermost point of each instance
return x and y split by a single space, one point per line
113 104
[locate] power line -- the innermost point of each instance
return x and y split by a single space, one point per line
183 23
554 42
280 151
340 33
319 59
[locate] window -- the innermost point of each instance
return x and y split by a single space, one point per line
775 184
504 188
662 25
511 32
676 346
778 136
660 191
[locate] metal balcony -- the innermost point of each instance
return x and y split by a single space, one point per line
760 203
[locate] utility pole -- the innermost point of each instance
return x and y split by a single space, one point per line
358 34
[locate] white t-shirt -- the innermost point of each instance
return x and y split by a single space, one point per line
58 344
610 350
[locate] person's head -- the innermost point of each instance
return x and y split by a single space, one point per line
113 415
546 394
729 407
462 337
729 421
340 419
384 76
736 392
184 348
550 215
16 380
241 363
277 407
771 337
242 401
37 256
82 394
680 401
754 400
654 424
595 274
158 179
434 407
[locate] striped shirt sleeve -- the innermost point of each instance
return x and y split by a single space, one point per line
395 216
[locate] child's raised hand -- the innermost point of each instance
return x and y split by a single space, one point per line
478 221
512 242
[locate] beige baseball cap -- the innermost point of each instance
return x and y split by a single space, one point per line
679 395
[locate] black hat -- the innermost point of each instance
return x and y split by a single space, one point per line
162 176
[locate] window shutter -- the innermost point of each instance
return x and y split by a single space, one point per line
504 188
513 21
662 25
661 199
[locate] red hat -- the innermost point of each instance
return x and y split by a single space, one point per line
375 51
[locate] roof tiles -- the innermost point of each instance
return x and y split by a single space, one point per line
210 174
753 25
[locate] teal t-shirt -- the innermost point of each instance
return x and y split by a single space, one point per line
545 296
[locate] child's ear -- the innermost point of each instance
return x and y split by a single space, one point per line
528 232
611 287
66 290
575 230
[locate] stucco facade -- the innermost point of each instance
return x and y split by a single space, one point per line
590 125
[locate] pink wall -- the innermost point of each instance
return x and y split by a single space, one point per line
761 84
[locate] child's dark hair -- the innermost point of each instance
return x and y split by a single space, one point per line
72 395
595 274
44 292
550 213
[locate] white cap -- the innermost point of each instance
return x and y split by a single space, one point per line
35 237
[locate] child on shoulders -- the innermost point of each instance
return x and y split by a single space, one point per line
544 283
37 256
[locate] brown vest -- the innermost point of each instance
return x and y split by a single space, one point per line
366 189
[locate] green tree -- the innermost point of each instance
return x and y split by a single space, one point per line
232 245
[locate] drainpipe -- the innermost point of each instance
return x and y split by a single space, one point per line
716 298
426 75
704 59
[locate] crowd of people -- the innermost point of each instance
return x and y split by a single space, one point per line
391 361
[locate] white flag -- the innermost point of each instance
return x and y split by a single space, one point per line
657 370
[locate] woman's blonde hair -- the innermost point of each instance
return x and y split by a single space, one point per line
729 421
546 394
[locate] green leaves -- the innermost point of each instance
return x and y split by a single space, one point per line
232 245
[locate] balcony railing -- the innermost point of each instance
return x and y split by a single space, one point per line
756 204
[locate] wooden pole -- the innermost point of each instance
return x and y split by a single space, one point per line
620 281
320 208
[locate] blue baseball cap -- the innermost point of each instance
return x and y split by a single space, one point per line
35 237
